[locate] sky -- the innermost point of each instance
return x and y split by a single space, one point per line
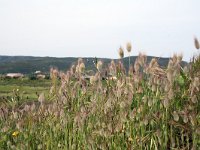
88 28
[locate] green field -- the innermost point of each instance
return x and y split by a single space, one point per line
27 89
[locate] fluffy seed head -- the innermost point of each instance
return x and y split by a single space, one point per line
170 64
54 73
15 115
122 104
145 121
81 67
166 102
175 115
194 99
41 98
142 59
93 79
153 63
185 119
130 139
128 47
174 58
80 60
192 119
196 82
99 66
121 52
26 108
144 99
180 57
5 129
150 102
196 43
136 66
170 94
73 69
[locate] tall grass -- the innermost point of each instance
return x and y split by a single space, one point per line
148 108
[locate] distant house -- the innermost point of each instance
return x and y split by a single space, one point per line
14 75
38 72
40 76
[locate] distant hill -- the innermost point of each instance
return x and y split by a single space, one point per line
29 64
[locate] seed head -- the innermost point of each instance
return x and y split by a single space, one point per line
196 43
170 64
77 69
112 68
39 146
136 66
153 88
174 58
150 102
108 104
15 115
196 82
26 108
73 69
113 63
80 60
93 80
81 67
41 98
145 121
194 99
166 102
185 69
171 94
192 119
170 76
144 99
153 63
128 47
180 57
121 52
130 139
19 125
110 127
5 129
122 104
185 119
142 59
175 115
99 66
54 73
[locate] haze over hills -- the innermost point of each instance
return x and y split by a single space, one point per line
29 64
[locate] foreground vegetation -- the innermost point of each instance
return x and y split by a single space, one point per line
146 108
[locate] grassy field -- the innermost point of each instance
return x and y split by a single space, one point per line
148 108
27 89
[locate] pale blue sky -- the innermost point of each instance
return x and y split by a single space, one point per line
81 28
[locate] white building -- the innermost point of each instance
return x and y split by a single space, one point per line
14 75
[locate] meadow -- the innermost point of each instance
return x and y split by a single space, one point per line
146 108
27 89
